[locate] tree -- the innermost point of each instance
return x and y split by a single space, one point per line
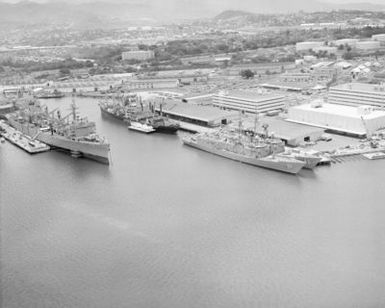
247 74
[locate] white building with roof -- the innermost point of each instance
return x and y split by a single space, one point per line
305 46
139 55
249 102
348 41
356 121
368 46
379 37
357 94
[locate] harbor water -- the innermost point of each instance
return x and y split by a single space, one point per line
170 226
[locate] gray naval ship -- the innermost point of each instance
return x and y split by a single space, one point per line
253 150
69 133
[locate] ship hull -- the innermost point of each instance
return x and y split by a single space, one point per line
95 151
291 166
110 114
310 161
172 129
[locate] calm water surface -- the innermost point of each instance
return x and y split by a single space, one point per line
170 226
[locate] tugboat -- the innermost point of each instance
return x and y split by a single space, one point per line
253 150
141 127
70 133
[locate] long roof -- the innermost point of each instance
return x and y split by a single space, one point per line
355 86
245 95
341 110
192 111
283 129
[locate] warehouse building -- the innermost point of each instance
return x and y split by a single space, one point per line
355 121
140 55
293 134
368 46
306 46
161 83
357 94
347 41
195 114
249 102
380 38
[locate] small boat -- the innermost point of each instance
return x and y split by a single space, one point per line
141 127
2 139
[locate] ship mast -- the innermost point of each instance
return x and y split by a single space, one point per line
255 126
240 125
74 108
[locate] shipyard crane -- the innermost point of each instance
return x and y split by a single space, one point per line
373 143
368 135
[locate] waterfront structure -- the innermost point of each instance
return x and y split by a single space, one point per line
356 121
25 142
292 134
306 46
140 55
201 115
249 102
357 94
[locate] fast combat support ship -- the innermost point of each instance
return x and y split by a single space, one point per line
130 108
252 150
70 133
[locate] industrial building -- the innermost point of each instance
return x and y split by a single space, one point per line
163 83
200 115
348 41
368 46
306 46
249 102
140 55
293 134
379 37
356 121
357 94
